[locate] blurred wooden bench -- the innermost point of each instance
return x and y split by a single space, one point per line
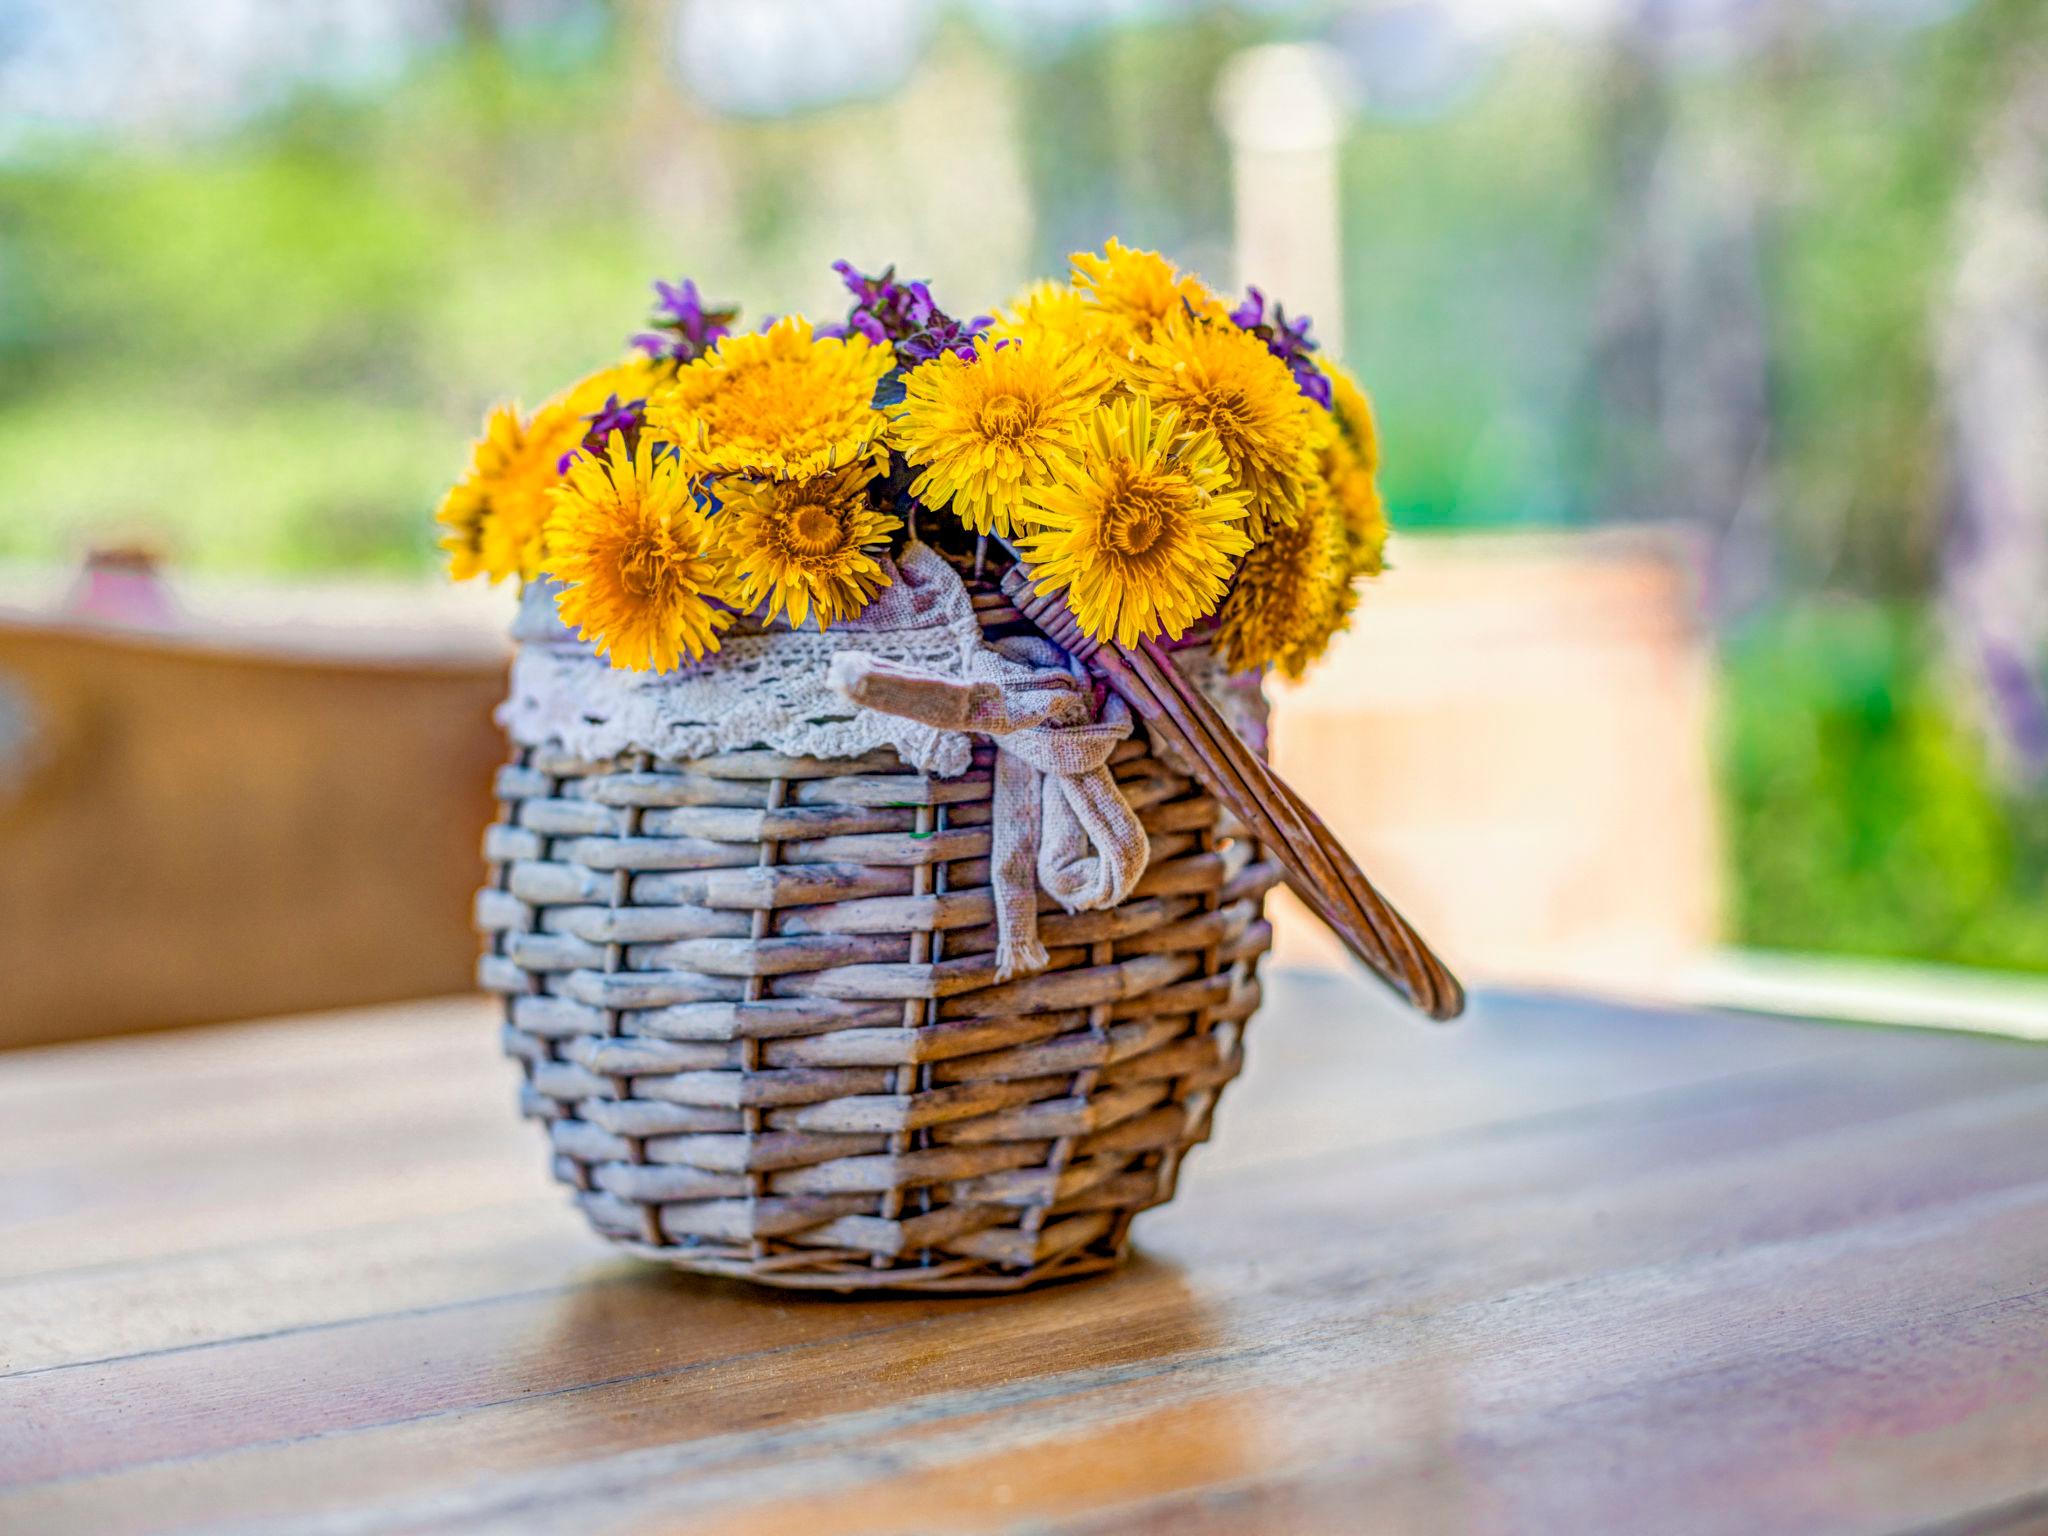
199 826
1514 737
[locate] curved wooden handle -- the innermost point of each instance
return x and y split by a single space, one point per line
1318 868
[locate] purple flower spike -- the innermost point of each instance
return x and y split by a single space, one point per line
1287 340
683 329
904 315
612 416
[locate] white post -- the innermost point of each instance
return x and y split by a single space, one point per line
1278 104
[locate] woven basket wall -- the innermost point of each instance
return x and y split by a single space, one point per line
753 997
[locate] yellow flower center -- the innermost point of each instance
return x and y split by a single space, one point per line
1137 514
1006 418
813 531
640 569
759 403
1225 412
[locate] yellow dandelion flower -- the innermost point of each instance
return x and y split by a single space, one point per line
1050 312
1361 513
1224 380
1293 593
1142 528
781 402
463 512
1354 418
495 513
632 378
1137 292
628 538
799 545
985 432
1350 463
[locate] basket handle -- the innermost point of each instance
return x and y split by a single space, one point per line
1318 868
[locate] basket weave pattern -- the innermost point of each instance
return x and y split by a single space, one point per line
754 1000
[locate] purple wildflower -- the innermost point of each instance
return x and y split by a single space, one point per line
612 416
1287 340
904 315
683 329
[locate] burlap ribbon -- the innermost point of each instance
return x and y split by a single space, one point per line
1058 820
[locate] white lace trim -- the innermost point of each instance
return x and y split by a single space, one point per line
767 687
764 688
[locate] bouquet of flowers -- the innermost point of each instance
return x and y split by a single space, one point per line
1175 468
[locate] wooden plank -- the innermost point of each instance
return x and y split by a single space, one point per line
1727 1245
287 1190
194 1292
245 1290
1740 1450
1321 1344
265 1286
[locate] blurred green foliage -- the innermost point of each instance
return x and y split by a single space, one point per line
1474 238
1863 816
269 348
1878 145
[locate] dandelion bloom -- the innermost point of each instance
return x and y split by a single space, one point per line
1350 463
803 545
1353 413
1293 593
1049 312
1224 380
633 379
781 402
462 514
494 515
1137 292
627 537
1142 528
1361 515
984 432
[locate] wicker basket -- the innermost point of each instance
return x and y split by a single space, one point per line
754 999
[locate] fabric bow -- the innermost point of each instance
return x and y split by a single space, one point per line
1058 819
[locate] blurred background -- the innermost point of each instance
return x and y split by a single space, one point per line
1709 340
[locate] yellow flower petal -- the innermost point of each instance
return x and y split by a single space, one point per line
1293 594
781 402
798 545
1133 294
986 432
1224 380
627 536
495 514
1141 529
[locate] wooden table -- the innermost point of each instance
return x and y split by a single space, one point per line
1570 1267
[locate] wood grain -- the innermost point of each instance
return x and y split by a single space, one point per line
1572 1267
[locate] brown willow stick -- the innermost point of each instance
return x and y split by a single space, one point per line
1318 868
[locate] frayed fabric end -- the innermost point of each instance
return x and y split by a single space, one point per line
1020 955
845 673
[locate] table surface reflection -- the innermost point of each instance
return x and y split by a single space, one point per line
1566 1266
